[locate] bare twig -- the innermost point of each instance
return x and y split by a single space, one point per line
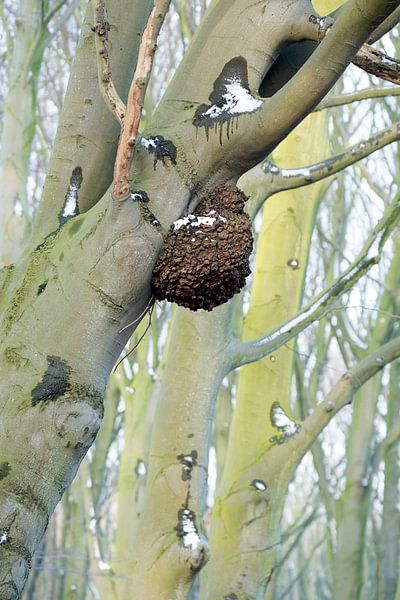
135 101
149 310
53 12
107 87
149 305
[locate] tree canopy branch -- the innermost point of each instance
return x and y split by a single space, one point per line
366 94
373 61
273 179
247 352
341 394
355 23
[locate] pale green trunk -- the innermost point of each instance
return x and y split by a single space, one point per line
138 418
354 503
76 562
166 559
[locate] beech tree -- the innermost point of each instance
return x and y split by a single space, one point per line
84 280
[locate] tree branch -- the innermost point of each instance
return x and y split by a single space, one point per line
135 100
355 23
388 24
341 394
9 38
247 352
373 61
53 12
275 179
377 63
107 87
367 94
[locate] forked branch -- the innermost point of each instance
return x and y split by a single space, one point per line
369 59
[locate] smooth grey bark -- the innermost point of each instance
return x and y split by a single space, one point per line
64 304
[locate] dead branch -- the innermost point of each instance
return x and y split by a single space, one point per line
377 63
101 28
135 101
369 59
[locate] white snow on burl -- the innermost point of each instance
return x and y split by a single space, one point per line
198 221
237 100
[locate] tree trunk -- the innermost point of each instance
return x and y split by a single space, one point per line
65 303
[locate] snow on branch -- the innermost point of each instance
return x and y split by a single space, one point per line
279 180
247 352
137 91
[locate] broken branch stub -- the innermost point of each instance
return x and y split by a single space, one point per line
377 63
205 258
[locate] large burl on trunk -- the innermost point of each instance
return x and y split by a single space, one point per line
85 274
205 258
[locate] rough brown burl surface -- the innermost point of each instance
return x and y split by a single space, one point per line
205 258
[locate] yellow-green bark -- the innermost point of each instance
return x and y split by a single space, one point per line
277 289
67 301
